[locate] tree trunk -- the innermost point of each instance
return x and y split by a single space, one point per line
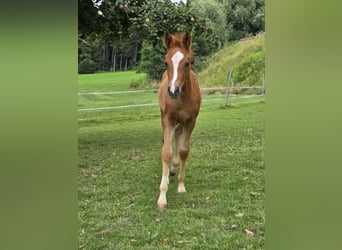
114 60
121 62
135 55
104 56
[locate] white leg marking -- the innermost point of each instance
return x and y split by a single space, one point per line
163 189
181 188
176 58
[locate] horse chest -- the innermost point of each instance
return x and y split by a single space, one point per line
182 113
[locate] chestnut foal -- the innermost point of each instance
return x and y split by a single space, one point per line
179 101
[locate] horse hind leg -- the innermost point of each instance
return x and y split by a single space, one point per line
184 149
181 177
183 154
177 144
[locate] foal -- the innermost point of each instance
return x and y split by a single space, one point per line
179 101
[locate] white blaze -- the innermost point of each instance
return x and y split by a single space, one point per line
176 58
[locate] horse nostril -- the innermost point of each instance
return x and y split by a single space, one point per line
177 90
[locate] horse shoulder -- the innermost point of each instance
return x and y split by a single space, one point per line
162 91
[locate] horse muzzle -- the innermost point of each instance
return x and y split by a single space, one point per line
174 94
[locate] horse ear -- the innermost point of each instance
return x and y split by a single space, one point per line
187 40
167 40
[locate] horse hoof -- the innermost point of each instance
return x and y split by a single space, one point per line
162 205
181 189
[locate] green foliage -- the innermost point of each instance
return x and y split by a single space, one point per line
112 30
151 18
206 20
87 66
152 60
88 18
245 17
214 12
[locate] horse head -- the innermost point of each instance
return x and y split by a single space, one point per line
177 60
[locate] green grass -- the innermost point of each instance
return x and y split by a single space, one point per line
120 171
109 81
108 100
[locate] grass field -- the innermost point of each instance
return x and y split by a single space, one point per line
120 170
104 82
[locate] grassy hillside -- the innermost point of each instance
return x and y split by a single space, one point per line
247 59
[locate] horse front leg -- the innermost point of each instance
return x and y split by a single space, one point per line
165 156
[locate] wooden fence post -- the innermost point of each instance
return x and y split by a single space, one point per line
263 87
228 87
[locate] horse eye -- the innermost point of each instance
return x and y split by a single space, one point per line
165 64
186 64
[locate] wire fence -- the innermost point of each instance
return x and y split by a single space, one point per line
156 90
239 92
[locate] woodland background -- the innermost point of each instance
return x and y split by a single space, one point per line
125 35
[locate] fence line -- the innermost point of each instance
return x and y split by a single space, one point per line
154 104
228 90
119 107
229 87
117 92
152 90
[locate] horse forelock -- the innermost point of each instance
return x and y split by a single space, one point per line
177 42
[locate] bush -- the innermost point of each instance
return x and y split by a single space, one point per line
86 66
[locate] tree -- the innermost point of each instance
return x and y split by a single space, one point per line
245 17
152 60
112 32
217 30
151 20
88 18
103 27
